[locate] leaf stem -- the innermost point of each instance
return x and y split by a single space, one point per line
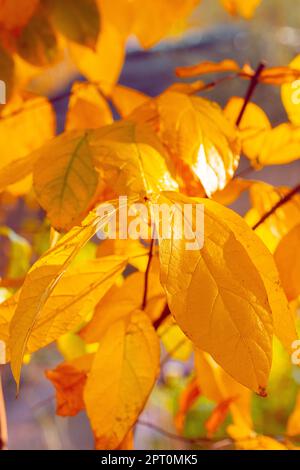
253 84
280 203
144 303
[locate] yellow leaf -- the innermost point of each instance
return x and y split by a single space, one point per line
41 281
287 258
102 66
290 94
127 99
206 67
65 185
218 386
253 127
120 302
283 319
130 158
88 109
293 425
197 136
75 296
37 43
265 196
260 443
243 8
26 125
136 252
280 145
177 345
161 15
69 379
127 363
232 191
217 294
78 21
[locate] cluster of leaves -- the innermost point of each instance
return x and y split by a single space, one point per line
227 300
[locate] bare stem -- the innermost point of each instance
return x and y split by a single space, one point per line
280 203
250 91
144 303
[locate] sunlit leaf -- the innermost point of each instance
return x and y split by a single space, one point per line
127 363
287 257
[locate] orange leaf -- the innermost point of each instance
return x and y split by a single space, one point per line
218 416
203 68
186 400
69 380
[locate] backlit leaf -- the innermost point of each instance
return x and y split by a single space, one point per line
221 281
37 43
197 136
65 179
290 94
287 257
78 21
242 8
127 363
69 379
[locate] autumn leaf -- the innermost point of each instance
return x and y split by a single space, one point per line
78 21
206 67
290 94
252 129
37 43
41 281
223 282
232 191
280 145
121 301
87 109
196 135
125 99
26 124
240 7
12 16
104 64
217 417
127 362
265 196
175 342
188 397
287 258
65 185
69 379
218 386
131 159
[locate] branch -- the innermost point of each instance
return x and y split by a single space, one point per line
280 203
165 313
253 84
177 437
144 303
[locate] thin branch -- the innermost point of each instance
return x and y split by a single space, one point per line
3 421
280 203
165 313
253 84
144 303
177 437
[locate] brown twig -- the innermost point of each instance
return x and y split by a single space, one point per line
253 84
3 421
280 203
165 313
144 303
177 437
